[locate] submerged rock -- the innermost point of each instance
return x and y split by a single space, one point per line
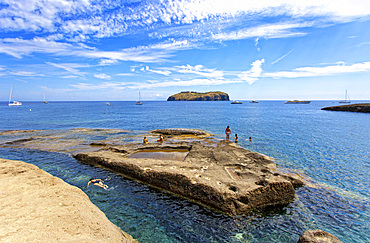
318 236
221 175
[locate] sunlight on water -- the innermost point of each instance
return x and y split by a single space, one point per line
330 147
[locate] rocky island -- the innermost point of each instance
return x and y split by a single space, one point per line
196 96
364 107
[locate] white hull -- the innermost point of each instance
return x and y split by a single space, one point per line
15 103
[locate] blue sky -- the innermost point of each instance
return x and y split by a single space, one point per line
112 50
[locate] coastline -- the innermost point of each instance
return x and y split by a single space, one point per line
37 206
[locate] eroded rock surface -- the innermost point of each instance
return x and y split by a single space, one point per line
219 175
318 236
38 207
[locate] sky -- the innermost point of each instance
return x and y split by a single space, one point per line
110 50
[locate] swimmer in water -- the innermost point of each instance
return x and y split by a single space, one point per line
97 182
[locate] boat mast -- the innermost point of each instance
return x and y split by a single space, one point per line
10 96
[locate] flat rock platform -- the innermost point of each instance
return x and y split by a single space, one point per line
215 173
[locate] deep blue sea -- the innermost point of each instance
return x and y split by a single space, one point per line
330 147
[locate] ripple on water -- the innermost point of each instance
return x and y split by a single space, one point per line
150 215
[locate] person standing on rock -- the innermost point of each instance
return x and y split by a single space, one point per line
228 132
236 138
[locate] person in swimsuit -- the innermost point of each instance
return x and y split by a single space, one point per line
160 139
228 132
236 138
97 182
145 140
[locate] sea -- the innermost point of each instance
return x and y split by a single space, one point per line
328 147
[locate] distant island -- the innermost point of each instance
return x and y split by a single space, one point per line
364 107
196 96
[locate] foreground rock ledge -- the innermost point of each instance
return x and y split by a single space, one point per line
38 207
222 176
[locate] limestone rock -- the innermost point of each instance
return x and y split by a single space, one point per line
318 236
38 207
221 176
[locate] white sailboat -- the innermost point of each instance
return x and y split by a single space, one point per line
139 102
45 102
346 99
13 103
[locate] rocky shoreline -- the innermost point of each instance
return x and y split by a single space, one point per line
364 107
38 207
190 163
219 175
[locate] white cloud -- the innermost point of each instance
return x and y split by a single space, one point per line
18 47
26 74
182 83
79 18
199 70
102 76
279 30
105 62
70 67
340 68
254 73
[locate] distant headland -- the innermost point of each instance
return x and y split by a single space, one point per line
364 107
196 96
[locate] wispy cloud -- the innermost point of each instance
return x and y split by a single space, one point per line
80 20
280 58
18 48
70 67
199 70
339 68
279 30
102 76
26 74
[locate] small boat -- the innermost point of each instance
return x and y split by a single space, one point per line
107 103
236 102
139 102
297 102
254 101
346 99
45 102
13 103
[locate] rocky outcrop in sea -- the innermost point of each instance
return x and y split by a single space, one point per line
364 107
196 96
216 174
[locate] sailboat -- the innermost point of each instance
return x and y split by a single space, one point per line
45 102
346 99
13 103
139 102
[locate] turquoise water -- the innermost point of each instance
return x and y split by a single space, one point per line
330 147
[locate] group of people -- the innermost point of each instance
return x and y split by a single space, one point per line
236 138
161 139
